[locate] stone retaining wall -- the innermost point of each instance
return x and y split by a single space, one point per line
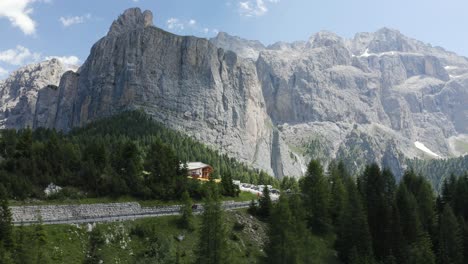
95 212
82 211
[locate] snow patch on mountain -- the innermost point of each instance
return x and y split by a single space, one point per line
422 147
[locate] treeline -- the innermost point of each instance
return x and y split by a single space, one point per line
374 219
127 154
437 170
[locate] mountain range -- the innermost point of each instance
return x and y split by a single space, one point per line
378 97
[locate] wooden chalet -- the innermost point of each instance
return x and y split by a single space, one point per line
199 170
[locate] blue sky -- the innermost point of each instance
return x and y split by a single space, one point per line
33 30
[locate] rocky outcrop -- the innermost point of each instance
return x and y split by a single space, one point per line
361 100
242 47
18 93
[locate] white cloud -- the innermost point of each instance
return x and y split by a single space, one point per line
3 73
19 56
73 20
18 12
179 25
254 8
175 24
68 60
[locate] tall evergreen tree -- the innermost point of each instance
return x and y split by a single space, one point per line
265 204
450 249
6 226
289 241
420 252
315 188
378 189
339 199
186 219
408 214
354 241
425 198
228 187
166 178
212 244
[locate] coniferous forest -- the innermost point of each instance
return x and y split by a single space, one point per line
372 218
368 218
128 154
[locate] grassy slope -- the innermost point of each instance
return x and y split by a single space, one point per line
69 243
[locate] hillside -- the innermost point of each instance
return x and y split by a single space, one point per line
111 157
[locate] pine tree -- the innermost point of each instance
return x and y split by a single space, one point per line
409 218
265 205
212 244
449 238
166 178
186 219
315 188
288 236
425 198
354 242
378 189
420 252
40 237
25 250
338 201
253 208
228 187
6 226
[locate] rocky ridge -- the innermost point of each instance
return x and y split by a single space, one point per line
18 93
370 98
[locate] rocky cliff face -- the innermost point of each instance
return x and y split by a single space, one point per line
185 82
18 93
378 97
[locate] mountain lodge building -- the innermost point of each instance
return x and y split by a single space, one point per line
199 170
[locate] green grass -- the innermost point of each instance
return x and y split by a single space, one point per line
243 196
69 243
66 243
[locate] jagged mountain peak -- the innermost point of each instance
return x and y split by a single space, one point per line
387 39
243 47
131 19
325 39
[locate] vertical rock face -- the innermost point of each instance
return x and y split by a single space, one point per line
18 93
184 82
366 99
